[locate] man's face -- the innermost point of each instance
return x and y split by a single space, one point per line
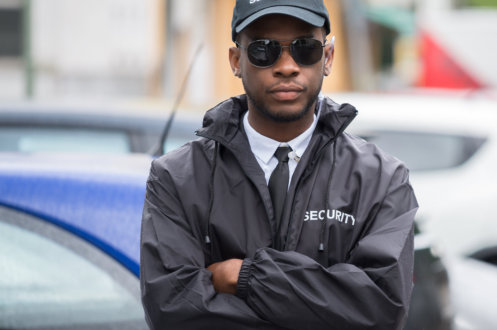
285 91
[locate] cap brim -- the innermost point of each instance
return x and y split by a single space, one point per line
299 13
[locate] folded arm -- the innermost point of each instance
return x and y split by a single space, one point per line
369 290
177 289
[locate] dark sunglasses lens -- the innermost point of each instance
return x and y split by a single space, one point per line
263 53
307 51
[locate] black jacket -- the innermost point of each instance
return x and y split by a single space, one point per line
342 259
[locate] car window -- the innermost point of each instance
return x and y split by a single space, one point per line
175 142
426 151
51 279
181 133
52 139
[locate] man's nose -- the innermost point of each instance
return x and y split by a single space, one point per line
286 65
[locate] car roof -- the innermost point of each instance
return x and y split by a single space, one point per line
97 198
441 113
94 115
137 127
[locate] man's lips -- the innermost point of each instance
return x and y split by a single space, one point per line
286 93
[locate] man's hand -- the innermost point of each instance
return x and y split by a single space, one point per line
225 275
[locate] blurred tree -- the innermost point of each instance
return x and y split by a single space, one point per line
482 3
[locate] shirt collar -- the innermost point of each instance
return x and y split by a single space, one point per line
300 143
264 147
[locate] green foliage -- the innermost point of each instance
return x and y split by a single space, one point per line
483 3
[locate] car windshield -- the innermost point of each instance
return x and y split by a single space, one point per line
44 139
427 151
47 285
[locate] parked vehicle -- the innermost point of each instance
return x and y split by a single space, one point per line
92 129
450 145
473 288
449 142
69 241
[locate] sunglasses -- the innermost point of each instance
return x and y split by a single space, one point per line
264 53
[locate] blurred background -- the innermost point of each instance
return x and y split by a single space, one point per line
86 92
141 49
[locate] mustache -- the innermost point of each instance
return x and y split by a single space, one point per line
286 85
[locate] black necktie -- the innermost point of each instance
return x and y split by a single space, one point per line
278 182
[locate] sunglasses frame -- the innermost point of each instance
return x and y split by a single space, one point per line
238 45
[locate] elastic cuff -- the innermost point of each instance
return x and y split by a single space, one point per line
242 286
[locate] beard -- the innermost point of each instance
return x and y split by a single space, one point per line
280 117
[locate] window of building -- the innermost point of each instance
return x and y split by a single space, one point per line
10 29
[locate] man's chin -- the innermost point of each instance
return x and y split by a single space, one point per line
286 114
285 117
282 112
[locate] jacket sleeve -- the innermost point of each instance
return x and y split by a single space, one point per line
371 290
177 291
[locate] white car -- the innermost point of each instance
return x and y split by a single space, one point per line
473 288
450 145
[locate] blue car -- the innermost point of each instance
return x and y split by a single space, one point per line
69 241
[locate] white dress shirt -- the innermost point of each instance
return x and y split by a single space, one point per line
264 147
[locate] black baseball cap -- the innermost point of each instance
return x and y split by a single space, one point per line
247 11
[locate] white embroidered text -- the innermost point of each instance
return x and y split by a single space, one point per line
336 215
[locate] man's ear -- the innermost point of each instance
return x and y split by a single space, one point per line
329 54
234 57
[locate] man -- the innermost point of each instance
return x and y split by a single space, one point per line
276 218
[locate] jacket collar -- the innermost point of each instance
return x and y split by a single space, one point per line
335 118
224 121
